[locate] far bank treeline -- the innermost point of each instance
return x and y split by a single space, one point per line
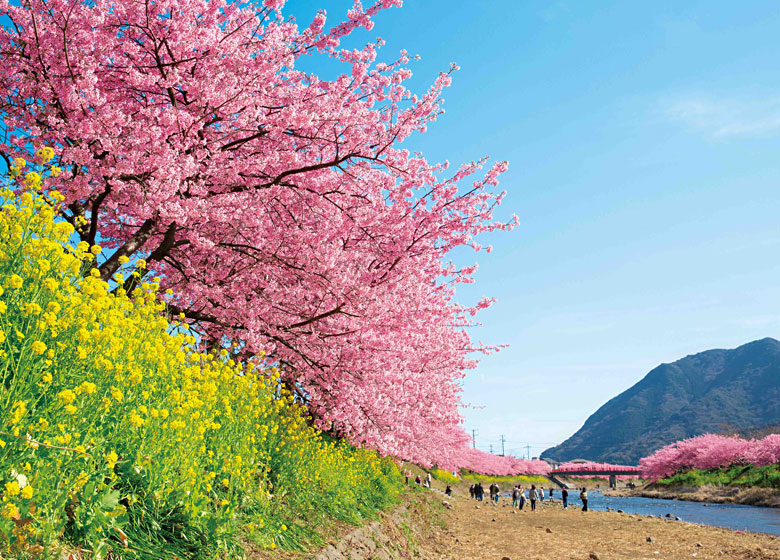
716 459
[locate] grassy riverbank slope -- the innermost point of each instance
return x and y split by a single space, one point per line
737 484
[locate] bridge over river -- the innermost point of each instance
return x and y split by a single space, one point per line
611 473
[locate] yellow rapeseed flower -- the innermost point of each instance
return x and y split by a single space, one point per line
45 153
11 511
111 458
12 488
19 410
67 396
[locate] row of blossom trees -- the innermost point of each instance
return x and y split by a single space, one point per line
487 463
711 451
277 207
590 466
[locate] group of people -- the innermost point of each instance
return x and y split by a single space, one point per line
519 499
427 484
477 492
417 480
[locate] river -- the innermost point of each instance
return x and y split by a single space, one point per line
730 516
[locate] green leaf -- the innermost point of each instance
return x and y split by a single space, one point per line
110 500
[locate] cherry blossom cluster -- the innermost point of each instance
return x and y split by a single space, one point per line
602 467
710 451
487 463
277 207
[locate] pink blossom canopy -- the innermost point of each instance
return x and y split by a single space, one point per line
277 206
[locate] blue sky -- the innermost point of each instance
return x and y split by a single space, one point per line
643 143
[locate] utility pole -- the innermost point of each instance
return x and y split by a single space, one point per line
503 439
491 448
527 451
474 439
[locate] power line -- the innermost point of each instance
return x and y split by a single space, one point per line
474 439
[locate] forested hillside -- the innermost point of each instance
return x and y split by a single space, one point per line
713 391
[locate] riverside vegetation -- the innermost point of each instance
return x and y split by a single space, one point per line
767 476
119 434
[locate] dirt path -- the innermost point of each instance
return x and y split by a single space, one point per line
494 532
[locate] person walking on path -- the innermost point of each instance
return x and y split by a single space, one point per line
515 496
448 490
496 491
479 491
551 494
522 497
471 490
533 495
584 498
428 480
565 497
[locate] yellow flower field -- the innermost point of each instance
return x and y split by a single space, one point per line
117 432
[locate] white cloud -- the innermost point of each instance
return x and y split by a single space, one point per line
721 119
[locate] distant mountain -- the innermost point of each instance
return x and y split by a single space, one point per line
714 391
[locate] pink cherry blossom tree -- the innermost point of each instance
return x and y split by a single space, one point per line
276 206
710 451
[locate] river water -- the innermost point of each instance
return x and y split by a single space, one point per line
730 516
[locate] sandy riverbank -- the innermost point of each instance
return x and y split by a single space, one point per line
494 532
767 497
